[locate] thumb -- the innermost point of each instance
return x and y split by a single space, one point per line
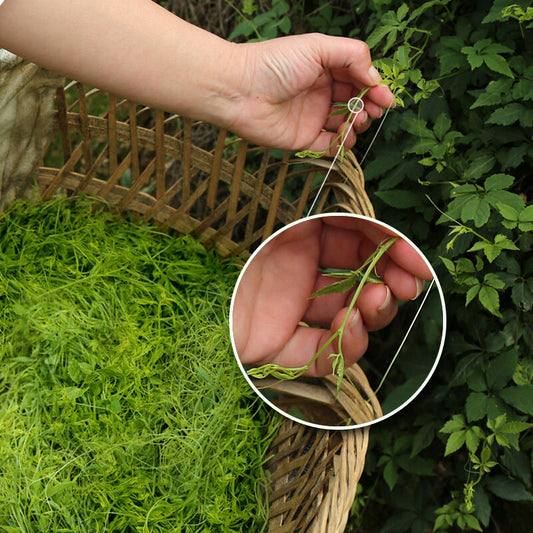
351 55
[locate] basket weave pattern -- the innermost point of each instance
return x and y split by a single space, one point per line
192 178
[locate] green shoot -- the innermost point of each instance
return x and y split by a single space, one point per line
358 277
343 109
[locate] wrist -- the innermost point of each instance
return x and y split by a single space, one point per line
221 83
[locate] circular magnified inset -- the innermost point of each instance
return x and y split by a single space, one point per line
337 321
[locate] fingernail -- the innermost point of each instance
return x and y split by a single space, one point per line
419 287
386 301
374 75
356 324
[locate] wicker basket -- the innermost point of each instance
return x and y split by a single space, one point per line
195 179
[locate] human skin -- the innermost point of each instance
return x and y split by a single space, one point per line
272 299
276 93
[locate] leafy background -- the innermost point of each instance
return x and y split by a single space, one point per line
452 169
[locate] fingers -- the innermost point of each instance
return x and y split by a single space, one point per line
306 342
377 305
347 242
351 55
401 253
328 142
376 302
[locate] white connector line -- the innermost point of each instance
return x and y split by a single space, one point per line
355 105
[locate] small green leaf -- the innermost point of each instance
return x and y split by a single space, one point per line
501 369
482 507
490 299
498 64
442 125
476 406
515 426
509 489
526 215
390 475
455 424
520 397
498 182
472 440
339 286
455 441
472 293
508 114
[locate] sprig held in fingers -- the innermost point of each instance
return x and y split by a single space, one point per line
358 277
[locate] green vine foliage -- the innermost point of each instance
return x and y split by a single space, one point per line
452 168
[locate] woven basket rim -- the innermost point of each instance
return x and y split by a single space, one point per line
335 462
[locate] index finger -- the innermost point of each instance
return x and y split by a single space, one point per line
403 253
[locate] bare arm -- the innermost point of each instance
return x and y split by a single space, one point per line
276 93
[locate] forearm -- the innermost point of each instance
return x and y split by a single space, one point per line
111 44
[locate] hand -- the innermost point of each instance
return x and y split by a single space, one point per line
290 83
277 93
273 295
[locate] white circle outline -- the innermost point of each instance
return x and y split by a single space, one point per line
355 104
430 373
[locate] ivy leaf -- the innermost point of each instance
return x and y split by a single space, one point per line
501 369
442 125
455 441
476 406
522 294
517 462
422 439
498 182
493 280
493 93
509 489
472 292
481 164
449 54
511 113
515 426
390 474
490 299
510 214
498 64
525 219
473 438
482 506
520 397
455 424
495 197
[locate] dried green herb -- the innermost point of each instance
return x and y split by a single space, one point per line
121 405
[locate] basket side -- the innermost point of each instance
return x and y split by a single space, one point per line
175 172
190 177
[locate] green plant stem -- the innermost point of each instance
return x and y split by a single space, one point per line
284 373
340 137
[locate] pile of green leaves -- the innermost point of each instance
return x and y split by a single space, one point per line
451 168
121 405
